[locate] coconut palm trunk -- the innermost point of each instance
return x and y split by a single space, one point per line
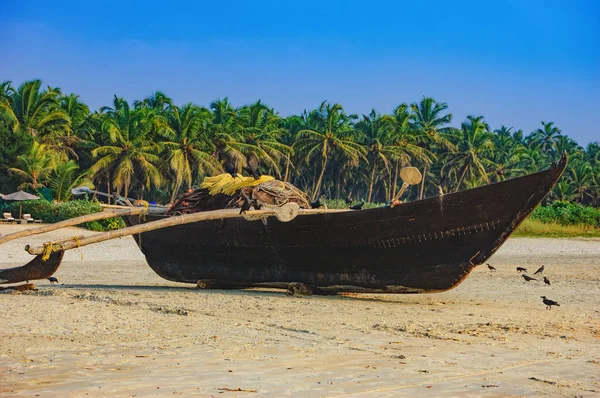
393 193
175 190
423 181
461 177
372 179
320 180
287 168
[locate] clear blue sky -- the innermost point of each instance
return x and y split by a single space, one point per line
515 62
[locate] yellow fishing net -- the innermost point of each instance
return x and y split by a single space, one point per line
225 183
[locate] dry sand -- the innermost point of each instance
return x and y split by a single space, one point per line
114 328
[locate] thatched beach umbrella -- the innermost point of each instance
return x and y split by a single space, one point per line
20 196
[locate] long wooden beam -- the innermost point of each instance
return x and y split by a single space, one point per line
73 221
284 213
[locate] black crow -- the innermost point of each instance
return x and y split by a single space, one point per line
358 206
230 167
521 269
546 281
539 271
245 205
252 167
491 268
549 303
53 280
528 278
348 201
316 204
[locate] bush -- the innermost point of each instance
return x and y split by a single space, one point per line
53 212
341 204
565 213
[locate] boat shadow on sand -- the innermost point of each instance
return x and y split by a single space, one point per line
250 292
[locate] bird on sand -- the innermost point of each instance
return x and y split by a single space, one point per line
528 278
245 206
521 269
348 201
547 281
549 303
53 280
252 167
539 271
491 268
358 206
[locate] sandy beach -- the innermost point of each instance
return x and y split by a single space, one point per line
113 328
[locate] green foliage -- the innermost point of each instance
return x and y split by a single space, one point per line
565 213
54 212
64 178
341 204
12 145
155 149
537 229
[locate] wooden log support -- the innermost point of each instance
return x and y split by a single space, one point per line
129 211
284 213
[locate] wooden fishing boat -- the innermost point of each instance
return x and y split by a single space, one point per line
429 245
424 246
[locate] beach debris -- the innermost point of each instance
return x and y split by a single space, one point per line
489 385
549 303
539 271
302 289
52 280
528 278
491 268
236 389
423 371
521 269
547 281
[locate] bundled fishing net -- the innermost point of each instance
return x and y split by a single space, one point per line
224 191
225 183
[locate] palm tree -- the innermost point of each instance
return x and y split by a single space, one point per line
406 142
37 111
189 147
473 146
157 101
130 158
6 111
546 138
291 126
260 130
563 191
331 132
580 176
36 166
429 122
78 134
376 130
65 177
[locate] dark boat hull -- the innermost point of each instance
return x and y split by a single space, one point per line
429 245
